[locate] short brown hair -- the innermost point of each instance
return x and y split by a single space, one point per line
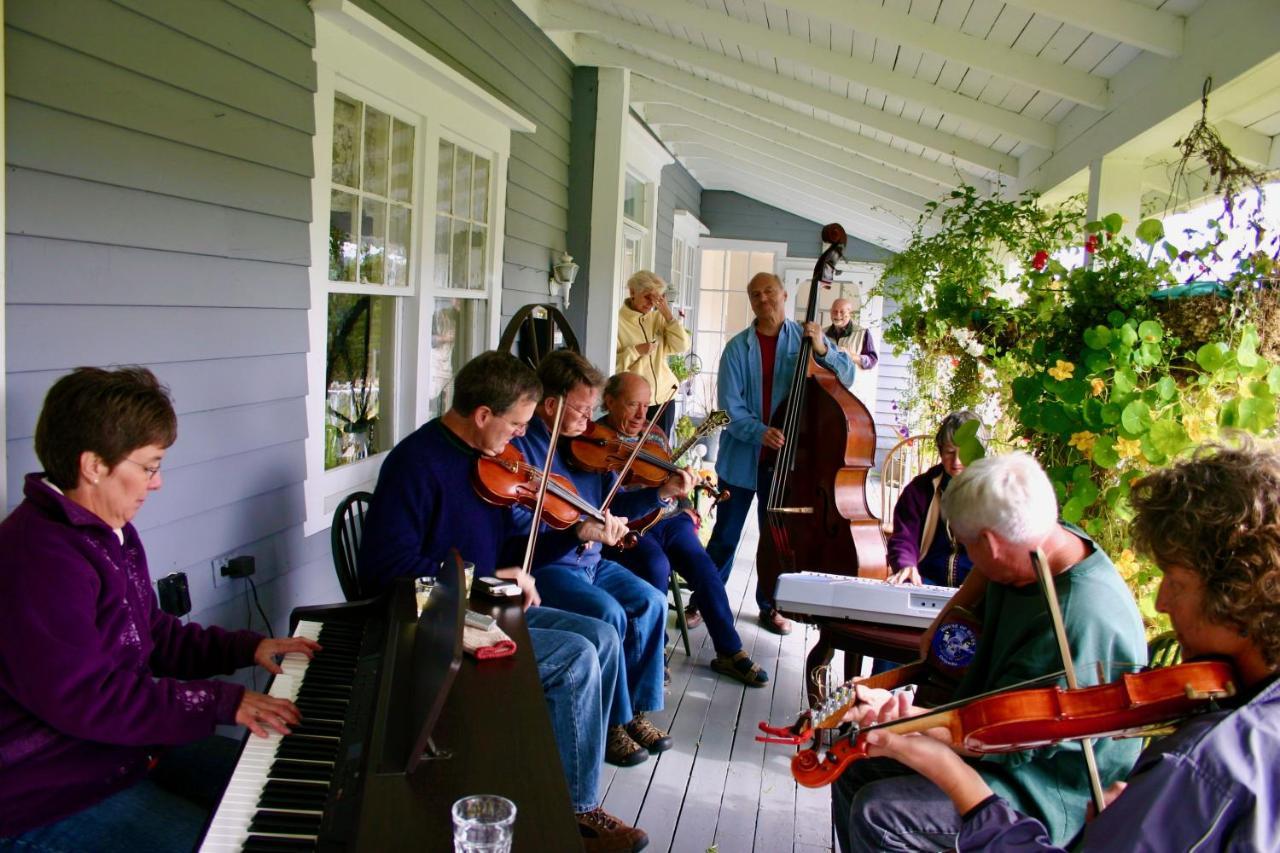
564 370
108 412
495 379
1218 515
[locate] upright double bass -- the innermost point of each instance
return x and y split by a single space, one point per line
818 515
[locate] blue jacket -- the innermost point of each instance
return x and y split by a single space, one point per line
739 389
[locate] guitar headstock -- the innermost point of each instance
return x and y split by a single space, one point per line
716 420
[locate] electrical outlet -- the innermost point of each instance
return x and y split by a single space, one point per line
219 563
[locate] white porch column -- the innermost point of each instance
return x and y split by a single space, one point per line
1115 186
606 217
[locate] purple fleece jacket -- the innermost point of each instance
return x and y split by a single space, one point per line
909 515
91 670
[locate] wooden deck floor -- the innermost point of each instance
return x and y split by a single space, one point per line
717 788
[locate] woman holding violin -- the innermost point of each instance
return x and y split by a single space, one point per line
672 543
1212 525
1001 509
569 568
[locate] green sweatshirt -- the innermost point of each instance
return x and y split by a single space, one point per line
1103 626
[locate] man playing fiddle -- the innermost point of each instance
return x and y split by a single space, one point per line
1212 525
424 505
755 377
673 543
573 576
1001 509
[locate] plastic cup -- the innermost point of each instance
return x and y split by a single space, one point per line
469 571
422 591
483 824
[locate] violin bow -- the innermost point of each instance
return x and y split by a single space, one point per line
635 451
1064 650
542 487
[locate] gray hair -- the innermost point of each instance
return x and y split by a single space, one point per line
1009 495
644 282
947 429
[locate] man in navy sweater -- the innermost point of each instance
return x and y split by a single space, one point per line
424 505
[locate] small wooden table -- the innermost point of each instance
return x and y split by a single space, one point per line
496 726
858 640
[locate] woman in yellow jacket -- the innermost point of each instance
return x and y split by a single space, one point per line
648 332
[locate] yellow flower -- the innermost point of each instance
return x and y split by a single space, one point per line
1127 562
1194 427
1097 386
1128 448
1083 441
1063 370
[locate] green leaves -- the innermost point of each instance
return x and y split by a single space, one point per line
1149 231
1136 418
1097 337
1168 437
1211 356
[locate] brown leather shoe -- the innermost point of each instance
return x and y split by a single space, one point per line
774 622
603 833
692 618
648 735
621 750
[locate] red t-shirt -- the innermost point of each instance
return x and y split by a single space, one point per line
768 351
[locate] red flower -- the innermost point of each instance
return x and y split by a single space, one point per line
1091 244
1041 258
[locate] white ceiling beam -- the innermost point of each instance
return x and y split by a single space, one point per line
867 16
1155 100
969 155
661 83
806 185
1123 20
1249 145
715 175
699 113
722 26
692 141
678 125
566 14
799 49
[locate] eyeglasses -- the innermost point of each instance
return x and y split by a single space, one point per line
518 429
586 412
152 470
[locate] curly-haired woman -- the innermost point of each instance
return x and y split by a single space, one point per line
1212 525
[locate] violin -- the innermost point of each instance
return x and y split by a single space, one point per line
602 448
508 479
1011 720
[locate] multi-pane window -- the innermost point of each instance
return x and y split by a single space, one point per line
371 220
460 278
723 311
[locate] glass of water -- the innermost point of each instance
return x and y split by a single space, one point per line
483 824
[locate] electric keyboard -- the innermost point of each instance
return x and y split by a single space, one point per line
860 599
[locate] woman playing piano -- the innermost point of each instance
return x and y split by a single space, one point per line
107 712
1212 525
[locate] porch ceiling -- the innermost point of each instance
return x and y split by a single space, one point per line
868 109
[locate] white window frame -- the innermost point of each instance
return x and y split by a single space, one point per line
645 159
357 54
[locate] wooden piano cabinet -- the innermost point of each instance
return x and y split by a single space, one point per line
496 726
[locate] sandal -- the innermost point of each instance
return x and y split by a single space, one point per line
742 668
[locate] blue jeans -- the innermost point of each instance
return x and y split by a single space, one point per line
637 611
731 516
879 804
164 812
579 662
673 543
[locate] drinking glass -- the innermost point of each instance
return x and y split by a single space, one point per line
483 824
469 571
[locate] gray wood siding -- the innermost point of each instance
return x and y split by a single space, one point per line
677 191
159 194
496 46
737 217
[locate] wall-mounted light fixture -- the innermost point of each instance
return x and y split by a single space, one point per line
562 277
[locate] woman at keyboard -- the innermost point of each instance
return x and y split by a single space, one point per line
921 549
107 713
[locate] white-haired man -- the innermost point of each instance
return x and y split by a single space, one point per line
648 332
1001 509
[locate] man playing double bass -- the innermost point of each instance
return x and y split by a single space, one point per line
755 377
